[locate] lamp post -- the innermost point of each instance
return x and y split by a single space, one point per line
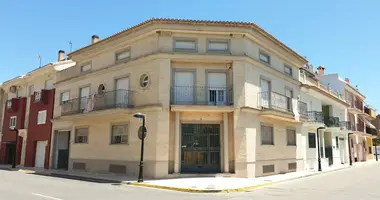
319 149
349 148
15 153
142 134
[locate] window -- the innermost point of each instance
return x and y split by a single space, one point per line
49 84
37 96
41 119
119 134
337 141
123 55
288 70
292 166
65 97
291 137
81 135
185 45
312 140
264 58
268 169
12 122
86 67
31 90
217 45
144 80
267 135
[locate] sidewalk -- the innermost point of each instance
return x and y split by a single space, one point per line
196 185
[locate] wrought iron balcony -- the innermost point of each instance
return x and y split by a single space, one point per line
346 125
315 117
101 101
332 121
197 95
371 131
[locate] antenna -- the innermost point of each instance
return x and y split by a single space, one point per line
39 58
71 46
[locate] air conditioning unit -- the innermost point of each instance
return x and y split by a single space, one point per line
13 89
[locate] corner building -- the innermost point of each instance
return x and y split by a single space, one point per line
219 97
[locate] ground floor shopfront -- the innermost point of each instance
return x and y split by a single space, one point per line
361 147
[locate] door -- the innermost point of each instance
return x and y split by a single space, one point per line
10 153
122 92
217 88
200 148
342 150
84 94
265 93
40 154
184 88
61 149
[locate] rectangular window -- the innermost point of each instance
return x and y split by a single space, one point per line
185 45
81 135
49 84
288 70
292 166
267 135
291 137
119 134
217 45
37 96
41 119
312 140
264 58
31 90
268 169
12 122
65 96
123 55
86 67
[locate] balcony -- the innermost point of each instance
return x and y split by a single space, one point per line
106 100
315 117
360 127
371 131
370 112
332 122
198 95
346 125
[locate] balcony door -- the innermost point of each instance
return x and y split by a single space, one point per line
184 88
217 88
289 95
265 93
84 94
122 89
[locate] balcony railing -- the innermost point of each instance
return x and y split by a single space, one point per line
371 131
196 95
273 100
332 121
315 117
346 125
105 100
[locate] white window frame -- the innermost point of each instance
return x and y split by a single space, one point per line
14 120
86 67
124 138
192 40
62 102
84 137
294 135
262 54
218 41
41 118
262 135
37 96
119 53
290 73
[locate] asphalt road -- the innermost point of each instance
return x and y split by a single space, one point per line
354 183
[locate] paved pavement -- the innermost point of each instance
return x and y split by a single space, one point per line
354 183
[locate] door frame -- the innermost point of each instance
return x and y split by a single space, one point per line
221 150
55 148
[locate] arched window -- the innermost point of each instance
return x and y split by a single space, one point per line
144 80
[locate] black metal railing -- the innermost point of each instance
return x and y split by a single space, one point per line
198 95
346 125
101 101
331 121
315 117
273 100
371 131
302 109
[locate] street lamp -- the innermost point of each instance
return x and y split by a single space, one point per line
349 148
15 153
142 134
319 149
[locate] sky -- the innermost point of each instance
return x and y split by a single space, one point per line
342 35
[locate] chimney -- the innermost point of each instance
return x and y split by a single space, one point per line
61 55
321 70
94 39
347 80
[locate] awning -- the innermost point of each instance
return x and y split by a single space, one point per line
366 121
